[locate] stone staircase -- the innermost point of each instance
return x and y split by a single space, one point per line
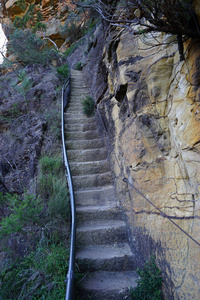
102 249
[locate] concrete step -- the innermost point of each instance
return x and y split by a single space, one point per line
80 135
76 114
108 285
87 155
97 213
69 119
101 233
85 144
113 257
80 126
96 196
95 180
85 168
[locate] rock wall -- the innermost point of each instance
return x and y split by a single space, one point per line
54 14
150 103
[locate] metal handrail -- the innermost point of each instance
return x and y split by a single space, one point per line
71 269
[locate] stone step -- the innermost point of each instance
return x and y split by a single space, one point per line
97 213
87 155
85 168
113 257
96 196
76 114
80 135
70 119
108 285
77 86
74 109
95 180
101 233
80 126
85 144
80 91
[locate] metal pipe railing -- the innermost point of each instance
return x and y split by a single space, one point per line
71 269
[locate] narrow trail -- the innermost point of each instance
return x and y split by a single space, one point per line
102 248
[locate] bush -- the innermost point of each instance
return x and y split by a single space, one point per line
150 282
63 72
79 66
41 275
29 48
51 165
88 106
53 187
22 212
41 272
59 200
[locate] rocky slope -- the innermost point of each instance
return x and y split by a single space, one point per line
30 122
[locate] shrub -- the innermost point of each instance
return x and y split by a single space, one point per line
29 48
30 19
59 199
53 118
79 66
51 165
53 187
22 212
63 72
50 168
41 275
88 106
150 282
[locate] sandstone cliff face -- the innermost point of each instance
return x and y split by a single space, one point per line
150 103
54 14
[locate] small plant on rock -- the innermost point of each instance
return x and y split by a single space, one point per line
149 283
88 106
79 66
63 72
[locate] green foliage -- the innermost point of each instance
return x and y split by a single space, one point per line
24 85
59 199
150 282
53 186
22 212
22 4
88 106
51 165
63 72
79 66
41 275
53 118
28 20
29 48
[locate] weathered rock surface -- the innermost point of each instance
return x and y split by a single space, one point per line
27 117
54 14
149 102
